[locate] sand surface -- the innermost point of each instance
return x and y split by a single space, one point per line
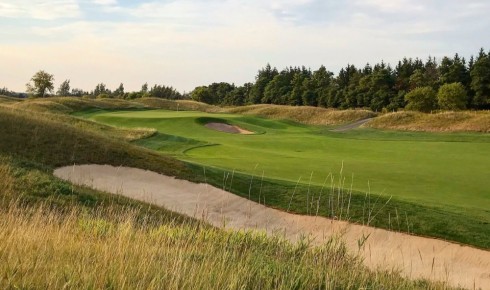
228 128
416 257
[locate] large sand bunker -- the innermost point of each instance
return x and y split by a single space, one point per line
416 257
223 127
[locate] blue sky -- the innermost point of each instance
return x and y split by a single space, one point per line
189 43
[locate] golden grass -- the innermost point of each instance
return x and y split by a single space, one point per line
6 179
175 105
464 121
110 249
304 115
71 104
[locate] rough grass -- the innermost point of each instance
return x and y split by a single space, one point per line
53 141
71 104
464 121
175 105
111 249
8 100
304 115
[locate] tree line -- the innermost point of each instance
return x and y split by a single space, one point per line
42 85
453 83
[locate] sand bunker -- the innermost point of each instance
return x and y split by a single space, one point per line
228 128
416 257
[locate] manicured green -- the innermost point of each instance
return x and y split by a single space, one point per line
436 169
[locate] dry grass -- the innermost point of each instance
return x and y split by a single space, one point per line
175 105
110 249
304 115
6 179
465 121
66 105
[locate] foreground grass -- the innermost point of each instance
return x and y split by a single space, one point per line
111 249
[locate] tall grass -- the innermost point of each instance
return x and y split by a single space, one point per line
111 249
304 115
464 121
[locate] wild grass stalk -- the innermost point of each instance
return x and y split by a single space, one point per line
113 248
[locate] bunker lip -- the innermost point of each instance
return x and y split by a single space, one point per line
416 257
227 128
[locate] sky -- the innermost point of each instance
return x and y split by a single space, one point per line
187 43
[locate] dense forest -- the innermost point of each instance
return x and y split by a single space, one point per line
453 83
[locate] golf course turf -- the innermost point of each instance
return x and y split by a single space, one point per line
447 173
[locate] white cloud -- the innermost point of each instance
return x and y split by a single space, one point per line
393 5
105 2
187 43
38 9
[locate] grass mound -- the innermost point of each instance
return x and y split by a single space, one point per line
464 121
304 115
66 105
51 140
182 105
8 100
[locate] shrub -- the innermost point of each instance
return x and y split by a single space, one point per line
421 99
452 97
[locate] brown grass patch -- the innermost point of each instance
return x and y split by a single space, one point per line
465 121
304 115
175 105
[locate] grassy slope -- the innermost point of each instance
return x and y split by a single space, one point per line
439 122
304 115
55 235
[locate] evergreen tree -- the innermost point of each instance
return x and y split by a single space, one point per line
480 80
263 78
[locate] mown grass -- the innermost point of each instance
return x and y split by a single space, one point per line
417 169
413 167
464 121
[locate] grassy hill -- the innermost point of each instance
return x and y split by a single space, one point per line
465 121
56 235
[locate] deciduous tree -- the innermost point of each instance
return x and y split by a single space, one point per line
421 99
41 84
452 97
64 89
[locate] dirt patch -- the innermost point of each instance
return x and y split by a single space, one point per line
416 257
222 127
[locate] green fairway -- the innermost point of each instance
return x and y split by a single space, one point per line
439 169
